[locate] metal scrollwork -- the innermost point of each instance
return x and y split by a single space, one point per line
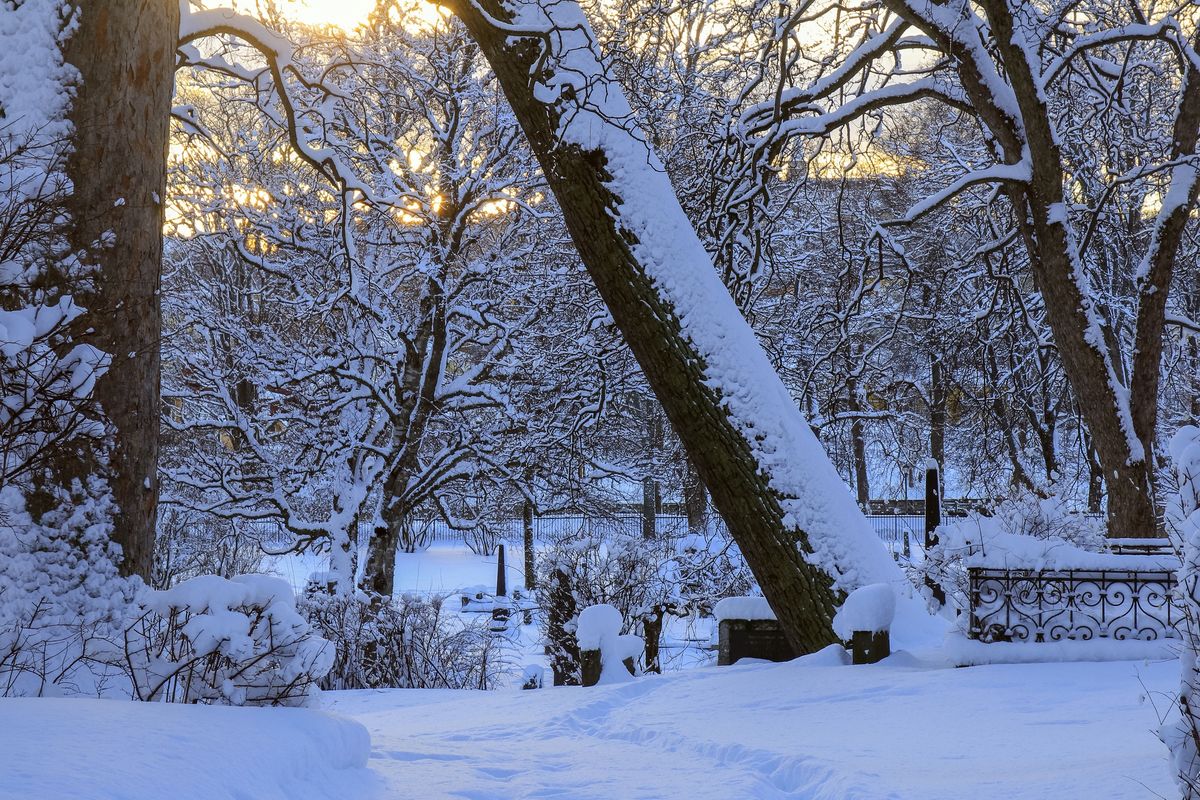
1051 606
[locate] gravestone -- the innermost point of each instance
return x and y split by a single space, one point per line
591 665
869 647
752 638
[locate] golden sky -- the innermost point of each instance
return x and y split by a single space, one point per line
344 13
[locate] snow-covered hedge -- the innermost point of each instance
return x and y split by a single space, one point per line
62 602
212 640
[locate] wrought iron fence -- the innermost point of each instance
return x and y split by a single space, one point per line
897 531
1052 606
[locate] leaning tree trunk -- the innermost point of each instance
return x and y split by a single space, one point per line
125 53
790 513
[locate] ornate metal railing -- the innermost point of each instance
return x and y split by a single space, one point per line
1052 606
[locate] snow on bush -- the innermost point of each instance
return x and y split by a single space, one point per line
404 642
62 602
1183 735
869 608
212 640
1024 532
599 628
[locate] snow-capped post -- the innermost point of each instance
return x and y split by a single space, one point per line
933 518
786 506
864 621
605 654
500 610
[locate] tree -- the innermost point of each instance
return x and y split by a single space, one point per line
1083 113
124 51
785 505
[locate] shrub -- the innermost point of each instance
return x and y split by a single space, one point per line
402 642
212 640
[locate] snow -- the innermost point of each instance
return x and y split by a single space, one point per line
599 628
119 750
1014 551
441 569
743 608
811 728
597 623
1184 513
869 608
968 652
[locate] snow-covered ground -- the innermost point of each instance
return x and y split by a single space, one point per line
806 729
812 728
78 749
911 727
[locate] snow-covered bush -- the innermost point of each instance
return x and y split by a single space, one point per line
1019 532
62 602
402 642
218 641
1183 735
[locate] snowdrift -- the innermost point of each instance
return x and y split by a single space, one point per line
82 749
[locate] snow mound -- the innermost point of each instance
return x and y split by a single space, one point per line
743 608
871 608
599 628
149 751
597 623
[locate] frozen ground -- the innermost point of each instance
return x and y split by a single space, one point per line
807 729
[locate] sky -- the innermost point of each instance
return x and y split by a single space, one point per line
345 13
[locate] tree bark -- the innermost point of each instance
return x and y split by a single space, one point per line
125 53
937 410
695 498
527 531
801 595
858 443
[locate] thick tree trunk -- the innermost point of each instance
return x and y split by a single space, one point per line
801 594
125 53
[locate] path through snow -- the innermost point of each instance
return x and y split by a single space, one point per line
807 729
